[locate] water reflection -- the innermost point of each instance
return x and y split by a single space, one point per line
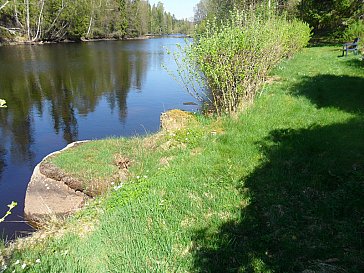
2 159
57 94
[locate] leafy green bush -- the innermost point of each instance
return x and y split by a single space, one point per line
233 58
355 30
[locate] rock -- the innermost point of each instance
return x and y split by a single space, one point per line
190 103
175 120
47 197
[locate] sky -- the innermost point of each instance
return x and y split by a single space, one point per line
180 8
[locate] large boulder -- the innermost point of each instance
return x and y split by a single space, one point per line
47 197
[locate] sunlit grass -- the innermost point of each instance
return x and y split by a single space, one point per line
278 189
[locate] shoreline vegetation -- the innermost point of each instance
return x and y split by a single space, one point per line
84 40
36 22
271 182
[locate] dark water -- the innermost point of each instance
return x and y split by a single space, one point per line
57 94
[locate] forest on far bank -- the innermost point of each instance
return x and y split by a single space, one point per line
57 20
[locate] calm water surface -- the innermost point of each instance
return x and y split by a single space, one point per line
57 94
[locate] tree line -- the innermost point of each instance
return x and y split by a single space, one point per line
326 17
56 20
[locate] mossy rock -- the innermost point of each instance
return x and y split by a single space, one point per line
176 119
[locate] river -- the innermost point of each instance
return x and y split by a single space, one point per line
60 93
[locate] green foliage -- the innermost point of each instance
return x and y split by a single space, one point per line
55 20
355 30
77 16
128 193
190 137
236 56
327 18
331 16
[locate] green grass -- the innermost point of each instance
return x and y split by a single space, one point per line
278 189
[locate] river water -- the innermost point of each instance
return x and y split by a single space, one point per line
60 93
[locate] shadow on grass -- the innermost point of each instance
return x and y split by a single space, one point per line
342 92
306 208
356 63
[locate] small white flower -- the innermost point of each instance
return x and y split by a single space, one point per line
117 187
138 177
145 176
24 265
37 261
112 183
17 262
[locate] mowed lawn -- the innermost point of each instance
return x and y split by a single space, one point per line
280 188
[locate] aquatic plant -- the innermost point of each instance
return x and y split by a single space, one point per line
2 103
11 206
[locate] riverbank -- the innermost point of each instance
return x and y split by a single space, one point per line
23 41
26 42
277 189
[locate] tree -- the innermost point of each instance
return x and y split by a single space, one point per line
55 20
330 16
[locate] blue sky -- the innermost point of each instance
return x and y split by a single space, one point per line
181 8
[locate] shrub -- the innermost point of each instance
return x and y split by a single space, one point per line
355 30
232 59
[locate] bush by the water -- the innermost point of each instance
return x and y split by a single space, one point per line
234 57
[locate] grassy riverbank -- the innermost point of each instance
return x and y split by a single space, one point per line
277 189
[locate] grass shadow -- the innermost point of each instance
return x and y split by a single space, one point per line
306 208
342 92
355 63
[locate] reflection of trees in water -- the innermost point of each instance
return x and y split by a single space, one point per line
63 115
2 158
71 78
16 124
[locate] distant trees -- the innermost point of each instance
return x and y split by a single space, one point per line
54 20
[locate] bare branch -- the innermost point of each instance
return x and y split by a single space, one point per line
11 31
4 5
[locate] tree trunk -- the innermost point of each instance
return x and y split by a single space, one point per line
16 15
39 27
28 19
89 26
